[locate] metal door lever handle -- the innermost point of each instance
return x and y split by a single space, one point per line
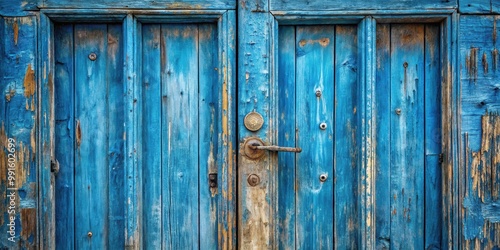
276 148
253 148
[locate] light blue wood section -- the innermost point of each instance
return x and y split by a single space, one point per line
346 196
65 136
433 137
382 143
286 137
209 128
321 5
407 131
179 136
160 4
315 56
91 162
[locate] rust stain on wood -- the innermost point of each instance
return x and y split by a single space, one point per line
15 27
471 63
494 55
322 41
29 82
78 133
28 223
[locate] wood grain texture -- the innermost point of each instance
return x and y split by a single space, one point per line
18 121
479 6
407 110
478 50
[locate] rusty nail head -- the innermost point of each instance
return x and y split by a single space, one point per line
253 180
89 234
323 177
318 93
398 111
92 56
405 64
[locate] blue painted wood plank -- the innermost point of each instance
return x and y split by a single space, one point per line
315 57
180 136
160 4
17 8
432 102
91 161
64 135
320 5
286 137
346 204
209 129
115 150
407 150
151 137
17 122
475 6
382 143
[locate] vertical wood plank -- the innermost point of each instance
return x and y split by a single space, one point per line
315 57
64 135
407 151
286 137
432 116
208 128
382 115
151 135
115 152
91 162
346 205
180 136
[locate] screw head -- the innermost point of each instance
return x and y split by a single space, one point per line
253 180
323 177
92 56
398 111
89 234
318 93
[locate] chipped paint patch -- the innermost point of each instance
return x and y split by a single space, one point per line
15 27
322 41
29 82
471 63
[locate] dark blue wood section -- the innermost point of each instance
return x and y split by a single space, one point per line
408 136
89 135
180 122
321 5
18 118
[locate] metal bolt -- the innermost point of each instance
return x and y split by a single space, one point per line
92 56
89 234
253 180
323 177
398 111
318 93
322 126
405 64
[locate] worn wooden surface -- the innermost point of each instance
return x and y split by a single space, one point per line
408 137
479 6
161 4
321 5
480 131
18 119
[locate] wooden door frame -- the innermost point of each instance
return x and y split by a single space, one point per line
260 16
131 22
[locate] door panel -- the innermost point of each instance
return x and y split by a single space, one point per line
179 144
179 72
318 86
408 129
89 136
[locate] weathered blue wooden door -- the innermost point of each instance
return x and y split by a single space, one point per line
349 152
179 140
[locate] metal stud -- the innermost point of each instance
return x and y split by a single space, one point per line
398 111
92 56
323 177
89 234
322 126
318 93
253 180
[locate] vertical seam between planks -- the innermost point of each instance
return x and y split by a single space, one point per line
295 132
425 134
334 147
198 136
389 62
160 93
73 102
